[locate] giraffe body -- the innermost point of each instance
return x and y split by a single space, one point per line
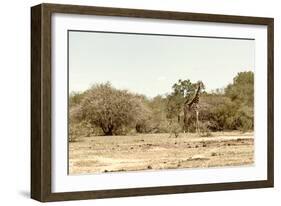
191 107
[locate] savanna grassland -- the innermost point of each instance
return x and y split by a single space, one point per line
113 130
160 151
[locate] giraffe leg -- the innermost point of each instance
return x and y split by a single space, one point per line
198 129
197 123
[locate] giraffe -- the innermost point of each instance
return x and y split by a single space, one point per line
193 106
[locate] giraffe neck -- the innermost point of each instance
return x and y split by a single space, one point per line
195 100
198 90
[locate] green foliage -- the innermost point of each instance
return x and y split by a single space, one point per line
174 106
242 89
104 109
232 109
114 111
241 93
229 109
75 98
183 91
183 88
82 129
175 128
155 121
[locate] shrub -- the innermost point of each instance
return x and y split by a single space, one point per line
174 128
114 111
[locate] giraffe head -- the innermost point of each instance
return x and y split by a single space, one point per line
200 85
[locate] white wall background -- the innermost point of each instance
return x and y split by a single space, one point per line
15 102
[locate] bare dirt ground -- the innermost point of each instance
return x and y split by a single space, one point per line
159 151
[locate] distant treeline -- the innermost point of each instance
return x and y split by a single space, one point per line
105 110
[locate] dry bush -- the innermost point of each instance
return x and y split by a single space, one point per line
114 111
106 110
175 128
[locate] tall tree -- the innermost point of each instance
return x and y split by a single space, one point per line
183 91
242 88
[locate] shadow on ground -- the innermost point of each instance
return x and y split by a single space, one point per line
24 193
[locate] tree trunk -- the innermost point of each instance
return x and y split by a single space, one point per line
108 133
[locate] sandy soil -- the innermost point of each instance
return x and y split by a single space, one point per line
159 151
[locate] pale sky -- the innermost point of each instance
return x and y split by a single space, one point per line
151 64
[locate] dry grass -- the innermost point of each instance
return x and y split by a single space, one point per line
159 151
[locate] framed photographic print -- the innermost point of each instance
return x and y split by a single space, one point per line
129 102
